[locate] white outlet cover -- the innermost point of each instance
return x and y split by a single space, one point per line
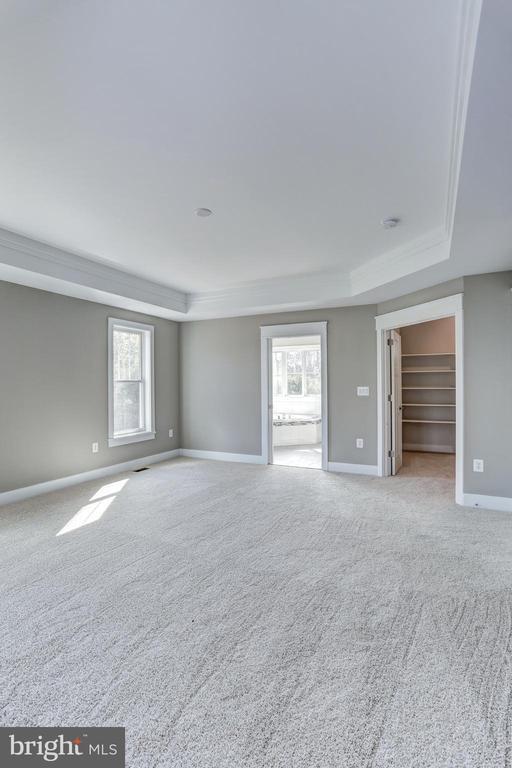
363 391
171 433
95 447
478 465
359 442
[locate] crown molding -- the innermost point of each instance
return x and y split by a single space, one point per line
470 12
305 291
65 269
422 253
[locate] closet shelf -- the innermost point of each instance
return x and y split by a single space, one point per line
428 388
426 421
428 354
429 405
428 370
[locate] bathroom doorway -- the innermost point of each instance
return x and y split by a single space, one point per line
294 395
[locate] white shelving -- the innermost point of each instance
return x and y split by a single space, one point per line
428 405
426 421
428 388
438 371
428 370
429 354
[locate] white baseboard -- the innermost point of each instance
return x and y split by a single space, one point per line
244 458
428 448
19 494
354 469
497 503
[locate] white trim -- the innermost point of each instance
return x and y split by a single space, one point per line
20 494
420 313
354 469
497 503
134 437
290 330
243 458
148 366
466 45
62 271
450 306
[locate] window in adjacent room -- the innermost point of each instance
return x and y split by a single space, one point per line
130 382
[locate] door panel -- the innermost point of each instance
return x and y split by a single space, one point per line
396 400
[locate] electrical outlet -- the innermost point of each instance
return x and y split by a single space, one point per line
95 447
171 433
478 465
363 391
359 442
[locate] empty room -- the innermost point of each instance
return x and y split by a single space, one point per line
256 383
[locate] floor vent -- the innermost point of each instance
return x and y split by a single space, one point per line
142 469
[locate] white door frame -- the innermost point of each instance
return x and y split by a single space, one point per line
268 332
451 306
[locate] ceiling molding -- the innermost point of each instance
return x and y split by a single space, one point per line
470 12
401 262
306 291
23 253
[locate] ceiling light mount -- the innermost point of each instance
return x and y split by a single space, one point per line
390 223
203 212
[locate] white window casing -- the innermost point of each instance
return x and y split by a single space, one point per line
131 382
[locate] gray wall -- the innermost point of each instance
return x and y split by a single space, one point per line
488 383
220 393
53 383
53 386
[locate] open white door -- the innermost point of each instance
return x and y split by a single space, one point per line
395 348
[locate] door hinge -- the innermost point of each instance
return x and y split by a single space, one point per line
390 342
390 398
391 454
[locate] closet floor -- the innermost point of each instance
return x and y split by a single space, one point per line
420 464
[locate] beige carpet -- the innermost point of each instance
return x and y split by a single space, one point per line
238 616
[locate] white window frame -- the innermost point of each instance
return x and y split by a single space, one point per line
284 377
148 378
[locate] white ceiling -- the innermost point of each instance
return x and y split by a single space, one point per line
300 123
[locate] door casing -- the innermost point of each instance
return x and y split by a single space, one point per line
450 306
290 330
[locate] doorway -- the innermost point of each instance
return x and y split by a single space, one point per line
294 395
420 391
422 370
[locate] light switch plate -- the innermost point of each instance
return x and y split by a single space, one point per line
363 391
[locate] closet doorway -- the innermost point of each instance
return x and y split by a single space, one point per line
420 391
422 369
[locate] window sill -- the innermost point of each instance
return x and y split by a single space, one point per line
135 437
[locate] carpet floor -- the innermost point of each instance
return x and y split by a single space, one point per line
240 616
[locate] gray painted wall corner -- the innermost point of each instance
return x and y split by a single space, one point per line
53 386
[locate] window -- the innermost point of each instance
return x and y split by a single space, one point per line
296 372
130 382
277 374
312 368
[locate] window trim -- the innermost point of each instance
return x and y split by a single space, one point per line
284 349
148 366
